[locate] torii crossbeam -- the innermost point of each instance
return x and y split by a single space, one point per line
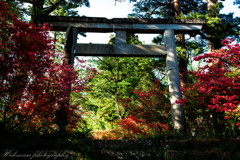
122 26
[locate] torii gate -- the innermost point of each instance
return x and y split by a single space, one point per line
122 26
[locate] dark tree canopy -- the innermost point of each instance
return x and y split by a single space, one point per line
46 7
165 8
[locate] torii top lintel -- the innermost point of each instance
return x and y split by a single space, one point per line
131 25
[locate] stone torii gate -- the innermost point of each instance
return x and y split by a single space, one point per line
122 26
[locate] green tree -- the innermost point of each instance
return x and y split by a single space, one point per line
218 26
171 9
37 8
116 79
166 8
46 7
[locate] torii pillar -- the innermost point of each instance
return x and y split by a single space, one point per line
178 114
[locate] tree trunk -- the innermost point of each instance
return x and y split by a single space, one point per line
211 3
210 6
37 10
177 7
183 60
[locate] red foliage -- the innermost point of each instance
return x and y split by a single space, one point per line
218 84
33 86
149 114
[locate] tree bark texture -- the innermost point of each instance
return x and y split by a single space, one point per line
183 58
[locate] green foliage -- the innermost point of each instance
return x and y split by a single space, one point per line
218 26
165 8
131 39
19 9
47 7
115 79
69 9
